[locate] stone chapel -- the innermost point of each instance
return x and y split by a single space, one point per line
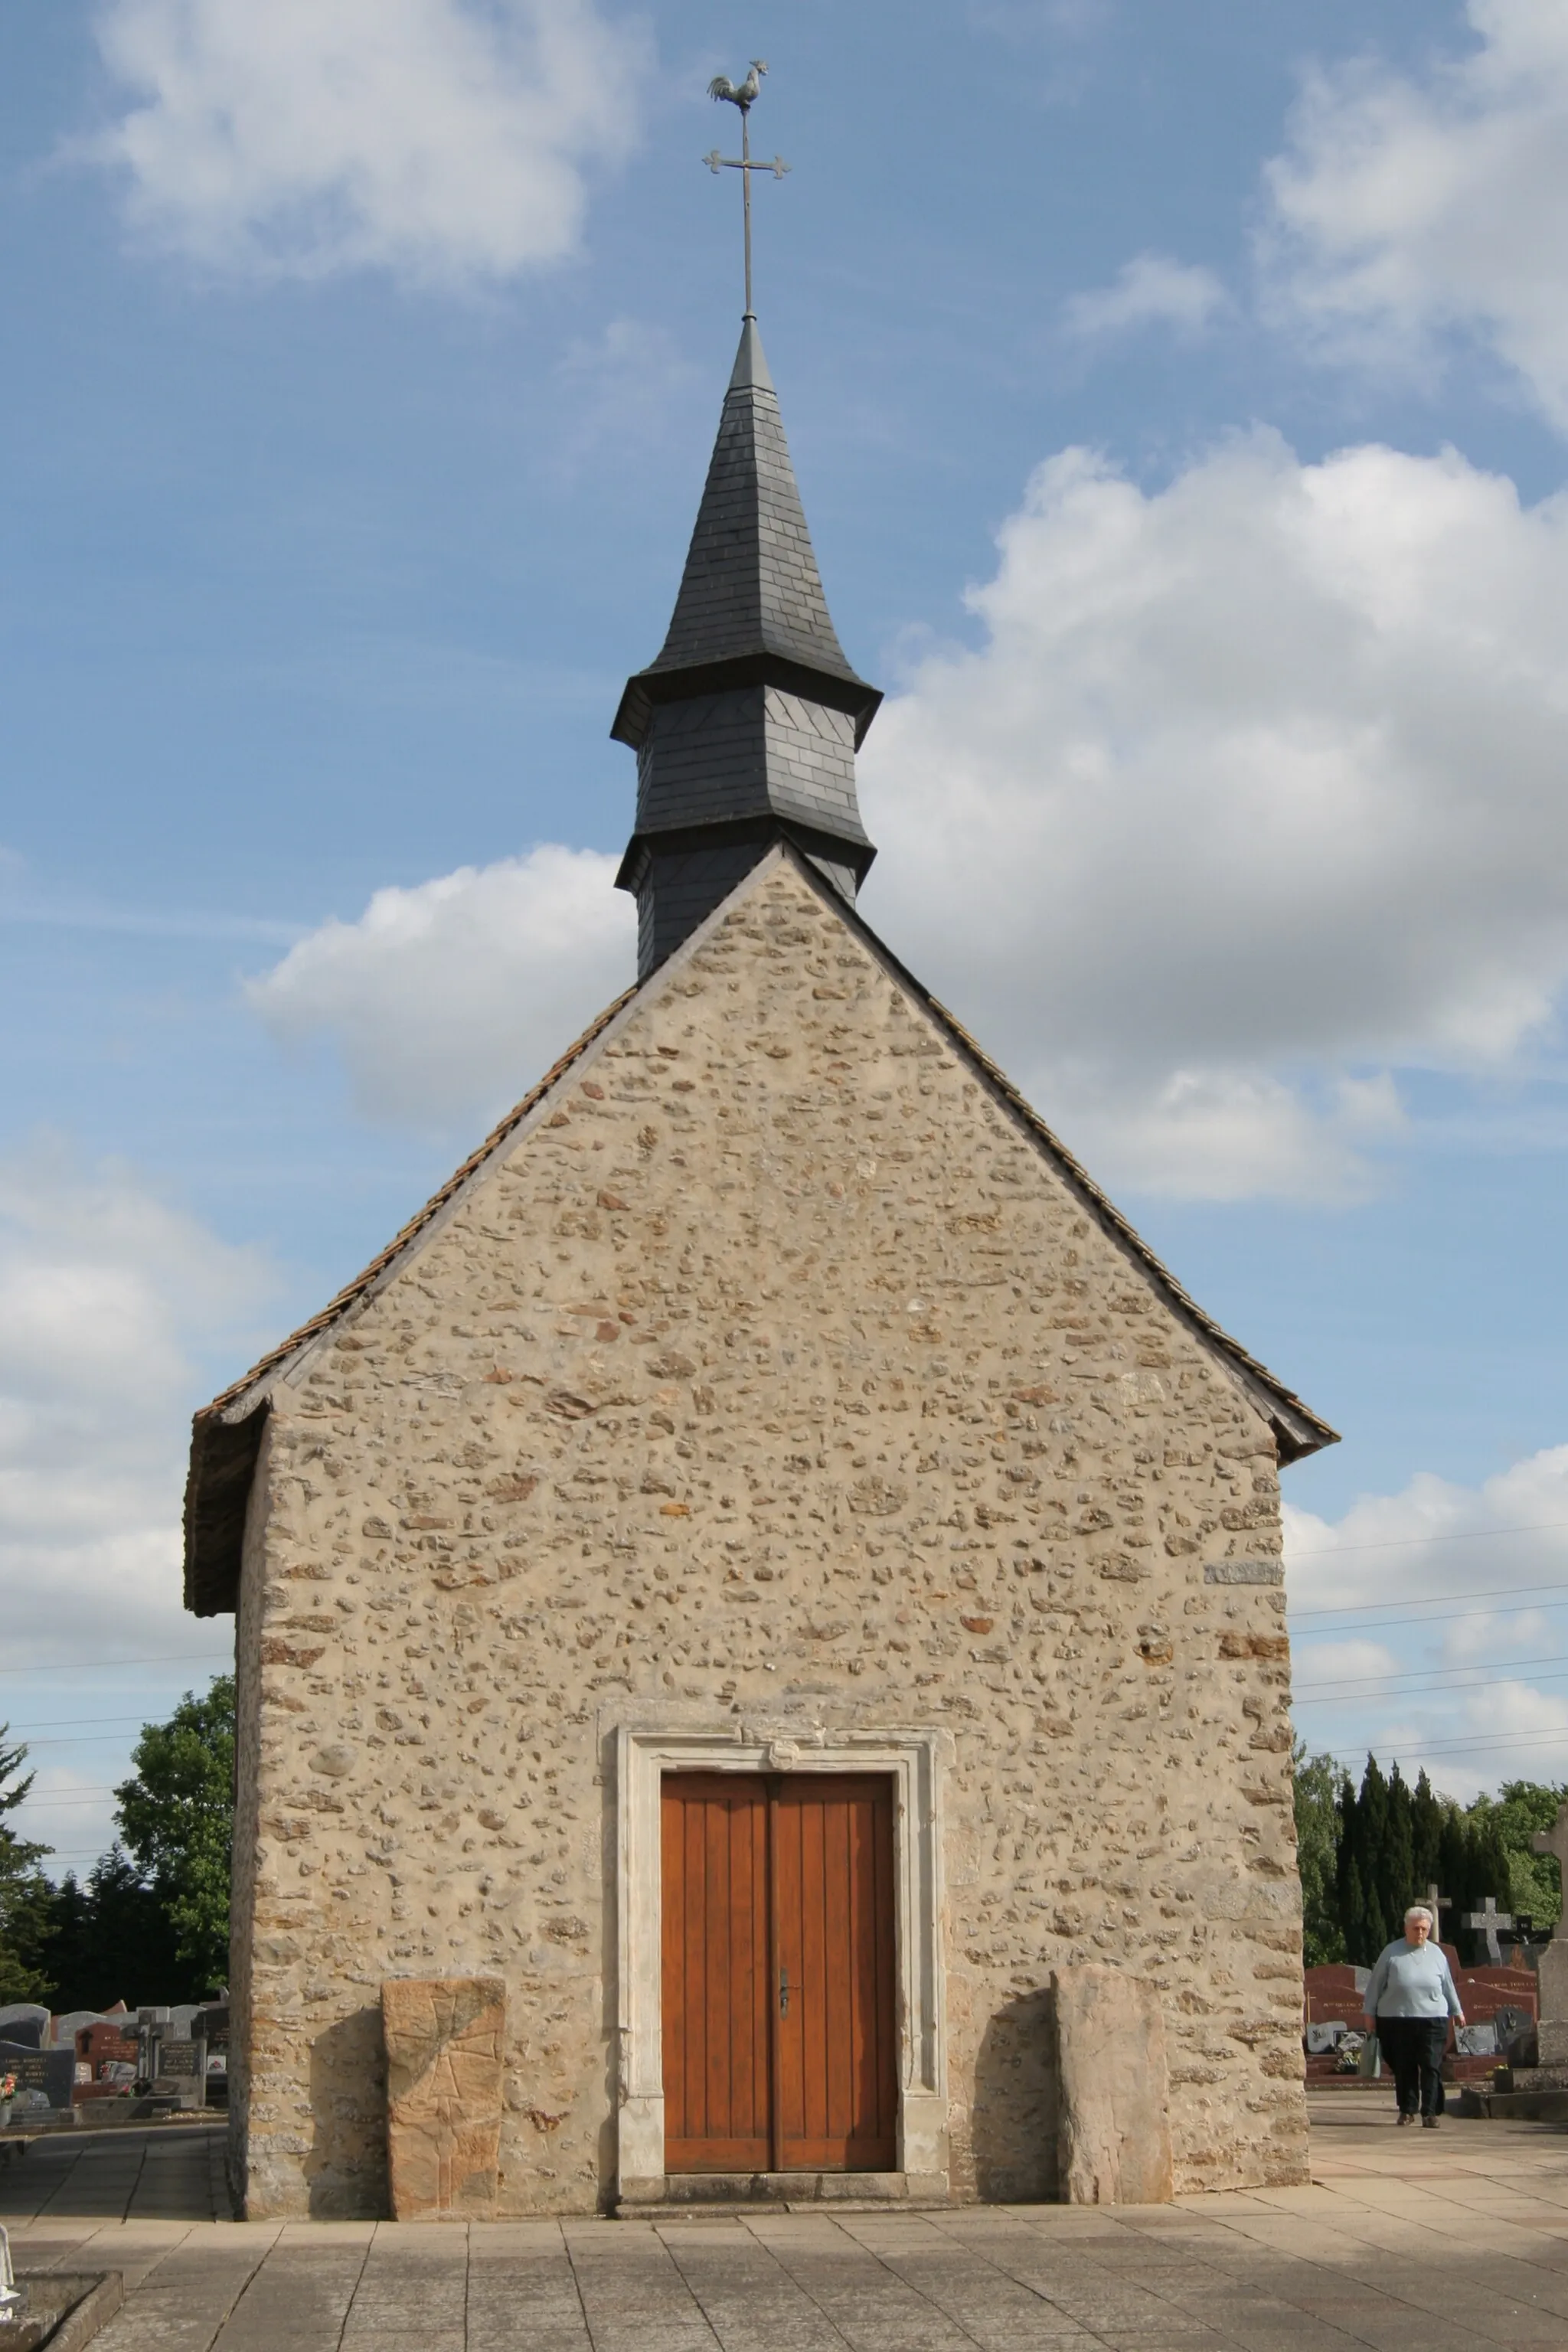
763 1568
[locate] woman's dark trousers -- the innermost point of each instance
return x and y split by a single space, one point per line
1414 2047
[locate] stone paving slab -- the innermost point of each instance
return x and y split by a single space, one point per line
1454 2246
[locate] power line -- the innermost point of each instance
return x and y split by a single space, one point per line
1453 1746
1433 1673
93 1740
68 1723
1372 1608
66 1796
1417 1543
88 1665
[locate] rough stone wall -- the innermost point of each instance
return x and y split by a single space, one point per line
772 1371
248 1703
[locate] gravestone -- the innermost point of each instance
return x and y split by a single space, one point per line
182 2069
1553 1974
445 2038
69 2025
1437 1903
1325 2036
43 2077
1487 1922
1114 2138
1511 2024
214 2021
23 2024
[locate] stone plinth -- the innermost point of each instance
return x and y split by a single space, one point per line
1553 2030
1115 2129
1532 2078
444 2040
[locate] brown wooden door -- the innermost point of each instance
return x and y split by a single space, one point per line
718 2060
836 2070
778 2042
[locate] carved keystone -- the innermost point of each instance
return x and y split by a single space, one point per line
444 2039
1114 2144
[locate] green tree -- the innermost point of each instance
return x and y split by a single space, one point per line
111 1939
1317 1855
1527 1882
177 1818
1427 1812
24 1890
1365 1851
1352 1902
1400 1883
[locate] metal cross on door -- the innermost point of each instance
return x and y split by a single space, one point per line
780 2046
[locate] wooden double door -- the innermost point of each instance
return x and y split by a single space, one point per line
780 2024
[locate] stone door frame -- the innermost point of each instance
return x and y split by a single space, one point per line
911 1759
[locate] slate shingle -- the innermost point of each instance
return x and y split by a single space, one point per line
747 723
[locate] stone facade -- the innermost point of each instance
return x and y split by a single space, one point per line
771 1382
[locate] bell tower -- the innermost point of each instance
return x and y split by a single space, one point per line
747 724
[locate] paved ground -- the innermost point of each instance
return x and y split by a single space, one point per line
1445 2241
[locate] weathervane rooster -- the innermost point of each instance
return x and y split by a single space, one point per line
722 86
744 98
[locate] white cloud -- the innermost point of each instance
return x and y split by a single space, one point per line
106 1291
1250 795
450 999
1250 798
1333 1664
1149 290
1436 1540
1403 209
1462 1591
446 141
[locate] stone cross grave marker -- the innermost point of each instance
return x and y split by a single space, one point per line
1555 1842
1437 1903
1487 1921
1554 2028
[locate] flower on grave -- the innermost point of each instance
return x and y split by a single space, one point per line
7 2086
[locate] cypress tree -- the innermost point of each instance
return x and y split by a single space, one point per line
1359 1952
1426 1836
1400 1885
1372 1823
1349 1900
1456 1862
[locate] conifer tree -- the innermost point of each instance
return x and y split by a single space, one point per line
1400 1885
1372 1830
1425 1834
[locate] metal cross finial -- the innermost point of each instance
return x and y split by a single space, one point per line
721 87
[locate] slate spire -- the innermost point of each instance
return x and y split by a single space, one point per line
746 725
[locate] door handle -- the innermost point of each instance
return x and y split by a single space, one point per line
783 1992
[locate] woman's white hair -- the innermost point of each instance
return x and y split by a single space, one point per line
1419 1911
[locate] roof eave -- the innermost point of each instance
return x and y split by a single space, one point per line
763 666
222 1454
1297 1429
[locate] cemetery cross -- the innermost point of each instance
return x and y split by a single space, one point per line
1487 1922
1555 1842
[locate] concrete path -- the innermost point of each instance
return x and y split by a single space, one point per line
1446 2241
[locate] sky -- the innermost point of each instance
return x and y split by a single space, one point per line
1179 397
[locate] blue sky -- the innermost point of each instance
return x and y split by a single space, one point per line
1179 399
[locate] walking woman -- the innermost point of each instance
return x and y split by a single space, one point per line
1409 1998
